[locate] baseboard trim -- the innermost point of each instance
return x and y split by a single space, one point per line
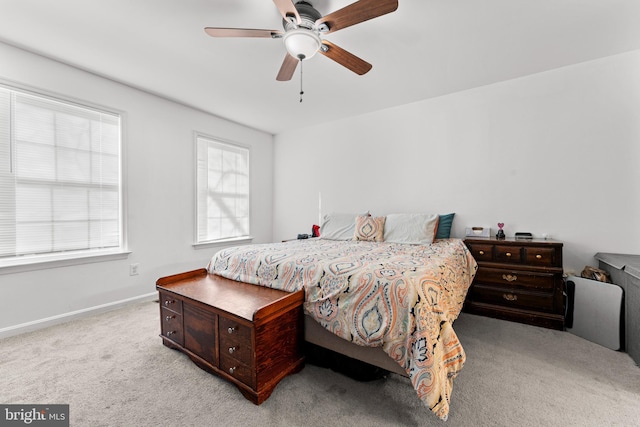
73 315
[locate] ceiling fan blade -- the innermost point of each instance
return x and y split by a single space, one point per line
288 67
345 58
357 12
288 9
241 32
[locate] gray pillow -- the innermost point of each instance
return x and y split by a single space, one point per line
338 226
414 229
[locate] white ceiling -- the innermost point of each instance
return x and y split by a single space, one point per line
426 48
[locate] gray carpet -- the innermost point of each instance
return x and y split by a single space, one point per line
113 371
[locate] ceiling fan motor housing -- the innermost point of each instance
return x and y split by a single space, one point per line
308 17
302 41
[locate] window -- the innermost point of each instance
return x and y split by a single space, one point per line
222 187
60 185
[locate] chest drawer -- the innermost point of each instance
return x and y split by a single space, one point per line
240 350
232 331
515 278
510 297
170 302
171 325
237 370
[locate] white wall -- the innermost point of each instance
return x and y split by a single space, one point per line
555 153
158 148
552 153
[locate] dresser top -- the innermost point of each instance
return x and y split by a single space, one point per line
512 240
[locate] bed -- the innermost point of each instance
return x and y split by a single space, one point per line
382 300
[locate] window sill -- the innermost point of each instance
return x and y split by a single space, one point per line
223 242
32 263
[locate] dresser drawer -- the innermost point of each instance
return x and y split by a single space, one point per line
170 302
515 278
511 254
543 257
237 370
171 325
481 252
510 297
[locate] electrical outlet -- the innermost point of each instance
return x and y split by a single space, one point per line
133 269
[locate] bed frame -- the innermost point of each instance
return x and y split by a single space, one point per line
314 333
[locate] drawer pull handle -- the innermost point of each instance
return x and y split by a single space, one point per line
232 370
539 256
481 252
510 297
170 317
170 333
231 330
232 350
510 277
508 254
169 301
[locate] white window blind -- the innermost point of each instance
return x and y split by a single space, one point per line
222 193
60 186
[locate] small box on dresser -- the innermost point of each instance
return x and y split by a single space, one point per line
519 280
249 335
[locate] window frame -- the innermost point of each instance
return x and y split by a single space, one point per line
221 241
24 263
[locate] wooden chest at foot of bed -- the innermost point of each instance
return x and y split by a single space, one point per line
249 335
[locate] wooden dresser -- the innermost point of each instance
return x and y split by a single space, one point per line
249 335
519 280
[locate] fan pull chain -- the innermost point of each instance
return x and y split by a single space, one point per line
301 91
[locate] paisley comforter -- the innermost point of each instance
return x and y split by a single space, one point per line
403 298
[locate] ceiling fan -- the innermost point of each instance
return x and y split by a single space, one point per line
304 27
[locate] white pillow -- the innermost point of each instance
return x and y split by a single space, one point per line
413 229
338 226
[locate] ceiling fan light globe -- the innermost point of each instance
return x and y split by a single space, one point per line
302 43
